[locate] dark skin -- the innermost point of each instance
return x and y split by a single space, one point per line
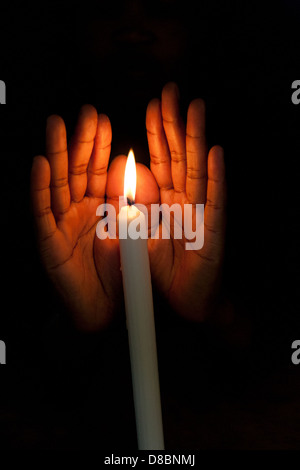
71 181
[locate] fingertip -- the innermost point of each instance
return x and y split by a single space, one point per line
104 128
147 191
196 120
153 110
55 124
39 160
196 105
171 88
115 177
216 164
56 134
217 151
40 170
103 118
86 123
88 109
170 103
88 116
153 104
54 120
117 165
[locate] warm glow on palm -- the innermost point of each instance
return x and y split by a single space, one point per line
71 181
67 186
187 174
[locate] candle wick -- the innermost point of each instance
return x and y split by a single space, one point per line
130 202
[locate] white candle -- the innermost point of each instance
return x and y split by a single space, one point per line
140 322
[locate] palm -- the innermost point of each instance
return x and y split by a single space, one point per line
76 269
184 174
67 188
69 185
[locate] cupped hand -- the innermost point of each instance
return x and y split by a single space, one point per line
67 186
186 173
72 180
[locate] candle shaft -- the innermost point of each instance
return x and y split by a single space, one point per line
141 336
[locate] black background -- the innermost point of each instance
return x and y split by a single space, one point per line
68 390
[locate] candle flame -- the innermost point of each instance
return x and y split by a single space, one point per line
130 177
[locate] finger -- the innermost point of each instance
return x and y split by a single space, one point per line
41 198
147 192
97 168
57 155
146 188
196 153
214 214
160 160
175 133
80 150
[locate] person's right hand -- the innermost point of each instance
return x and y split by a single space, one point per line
67 187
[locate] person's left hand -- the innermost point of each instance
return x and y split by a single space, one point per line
187 173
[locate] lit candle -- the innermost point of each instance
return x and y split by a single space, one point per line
140 320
